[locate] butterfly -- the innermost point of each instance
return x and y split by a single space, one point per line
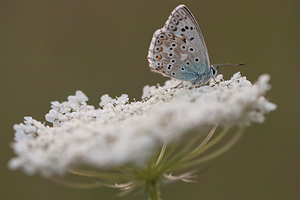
178 50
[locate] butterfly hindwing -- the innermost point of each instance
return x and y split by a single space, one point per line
170 56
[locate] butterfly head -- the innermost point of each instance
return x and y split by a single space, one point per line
214 70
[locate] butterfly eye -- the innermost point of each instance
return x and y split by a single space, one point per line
196 59
214 72
191 49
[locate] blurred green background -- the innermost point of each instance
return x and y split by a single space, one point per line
50 49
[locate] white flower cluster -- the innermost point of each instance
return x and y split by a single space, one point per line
122 132
75 107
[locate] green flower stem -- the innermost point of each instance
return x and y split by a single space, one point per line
75 185
235 138
199 148
101 175
173 156
177 165
152 190
161 154
212 142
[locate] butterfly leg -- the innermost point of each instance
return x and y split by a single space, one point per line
179 85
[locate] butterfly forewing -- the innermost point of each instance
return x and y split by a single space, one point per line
178 49
182 23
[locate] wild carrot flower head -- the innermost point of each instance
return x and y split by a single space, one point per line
123 133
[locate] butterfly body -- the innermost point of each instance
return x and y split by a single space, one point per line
178 49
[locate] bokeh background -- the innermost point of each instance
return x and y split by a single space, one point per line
50 49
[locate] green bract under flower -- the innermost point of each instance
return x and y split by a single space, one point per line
122 132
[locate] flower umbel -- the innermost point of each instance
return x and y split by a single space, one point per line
126 145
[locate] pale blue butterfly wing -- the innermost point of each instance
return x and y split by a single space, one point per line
178 49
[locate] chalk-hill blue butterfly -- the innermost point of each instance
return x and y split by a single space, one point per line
178 50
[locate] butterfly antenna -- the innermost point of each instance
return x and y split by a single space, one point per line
227 64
